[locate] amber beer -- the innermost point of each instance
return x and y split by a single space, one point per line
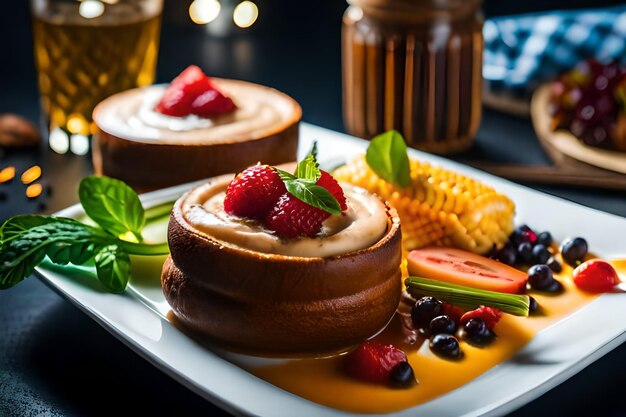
82 58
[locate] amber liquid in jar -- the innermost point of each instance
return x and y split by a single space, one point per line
414 66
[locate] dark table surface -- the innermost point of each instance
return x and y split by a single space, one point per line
55 361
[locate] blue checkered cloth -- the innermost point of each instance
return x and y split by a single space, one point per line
523 51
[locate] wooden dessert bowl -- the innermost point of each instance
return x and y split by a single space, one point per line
269 303
148 165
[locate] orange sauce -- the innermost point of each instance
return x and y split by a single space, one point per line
322 380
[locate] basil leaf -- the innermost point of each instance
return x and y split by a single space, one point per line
309 168
113 268
113 205
387 157
17 225
314 195
78 253
63 240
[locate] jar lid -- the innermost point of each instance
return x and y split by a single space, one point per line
413 11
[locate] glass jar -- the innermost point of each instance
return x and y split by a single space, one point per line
414 66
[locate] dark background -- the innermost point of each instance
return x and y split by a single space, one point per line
55 361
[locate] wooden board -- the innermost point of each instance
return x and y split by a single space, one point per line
565 149
575 164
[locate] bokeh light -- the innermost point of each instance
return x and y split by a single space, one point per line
204 11
79 144
59 141
90 9
245 14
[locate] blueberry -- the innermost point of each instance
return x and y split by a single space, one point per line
507 255
402 375
532 305
540 254
477 332
518 236
442 324
545 238
445 345
574 250
525 252
555 287
522 234
424 310
554 265
540 277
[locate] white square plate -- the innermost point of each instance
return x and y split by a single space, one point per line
139 317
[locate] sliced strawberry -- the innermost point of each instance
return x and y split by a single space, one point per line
193 93
453 311
373 362
490 315
596 276
291 217
212 103
253 192
327 181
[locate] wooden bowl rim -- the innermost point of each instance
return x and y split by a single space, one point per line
393 227
293 119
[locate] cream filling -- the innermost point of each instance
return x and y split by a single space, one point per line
362 225
131 115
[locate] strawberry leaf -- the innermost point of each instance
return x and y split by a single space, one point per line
387 157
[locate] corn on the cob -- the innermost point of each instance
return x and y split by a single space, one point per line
440 207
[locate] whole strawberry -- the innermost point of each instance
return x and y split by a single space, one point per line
291 217
327 181
596 276
192 92
253 192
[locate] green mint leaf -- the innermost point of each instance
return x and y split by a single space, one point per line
303 186
62 240
387 157
113 205
309 168
313 195
113 268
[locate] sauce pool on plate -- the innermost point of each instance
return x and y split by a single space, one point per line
323 381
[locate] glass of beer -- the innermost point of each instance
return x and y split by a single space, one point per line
85 51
